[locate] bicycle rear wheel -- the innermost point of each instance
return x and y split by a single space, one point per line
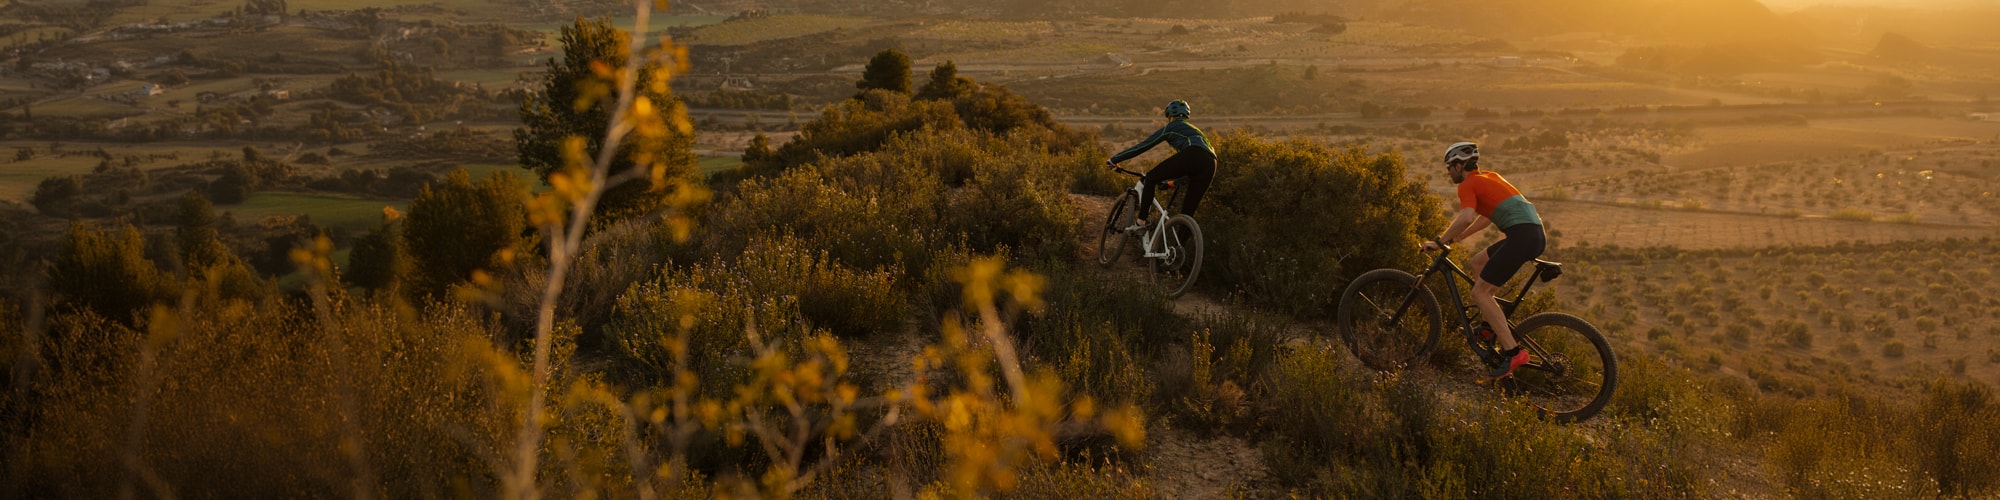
1111 241
1570 372
1387 320
1176 272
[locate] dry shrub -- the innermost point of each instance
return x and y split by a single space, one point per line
235 399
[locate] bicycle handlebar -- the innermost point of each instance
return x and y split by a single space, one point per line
1165 185
1444 251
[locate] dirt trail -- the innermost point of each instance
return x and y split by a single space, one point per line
1183 464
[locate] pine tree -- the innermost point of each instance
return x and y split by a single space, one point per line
381 258
759 150
105 272
945 83
889 70
200 246
551 115
457 227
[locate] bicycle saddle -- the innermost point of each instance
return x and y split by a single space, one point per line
1548 270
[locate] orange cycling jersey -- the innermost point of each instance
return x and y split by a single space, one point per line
1492 197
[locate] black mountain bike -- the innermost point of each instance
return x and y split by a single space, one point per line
1172 243
1390 320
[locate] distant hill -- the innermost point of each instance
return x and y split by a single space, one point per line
1862 27
1676 21
1898 48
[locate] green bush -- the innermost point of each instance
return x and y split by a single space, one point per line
106 272
857 126
1097 333
1955 440
1508 451
919 193
860 228
1289 223
459 226
1664 396
850 303
1317 414
1832 448
709 312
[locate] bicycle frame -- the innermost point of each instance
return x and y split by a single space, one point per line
1444 263
1159 231
1453 275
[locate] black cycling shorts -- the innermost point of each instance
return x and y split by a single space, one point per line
1524 243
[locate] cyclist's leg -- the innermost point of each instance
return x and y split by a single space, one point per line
1477 263
1483 292
1522 244
1179 165
1203 173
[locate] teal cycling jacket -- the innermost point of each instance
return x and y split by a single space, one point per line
1178 134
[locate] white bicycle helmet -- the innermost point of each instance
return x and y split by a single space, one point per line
1461 152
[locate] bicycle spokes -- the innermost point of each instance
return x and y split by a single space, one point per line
1569 371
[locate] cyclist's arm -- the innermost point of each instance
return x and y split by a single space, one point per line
1460 225
1478 224
1135 151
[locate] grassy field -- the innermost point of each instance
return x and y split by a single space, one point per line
18 179
489 78
770 28
328 210
659 23
713 164
83 106
186 10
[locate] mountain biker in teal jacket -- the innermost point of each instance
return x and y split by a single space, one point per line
1193 158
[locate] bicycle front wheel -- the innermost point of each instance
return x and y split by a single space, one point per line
1175 272
1387 320
1570 372
1111 241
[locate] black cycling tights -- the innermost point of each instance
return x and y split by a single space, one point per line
1196 164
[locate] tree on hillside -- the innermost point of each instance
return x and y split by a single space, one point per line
458 226
945 83
889 70
759 149
209 264
574 101
381 259
105 272
55 195
195 233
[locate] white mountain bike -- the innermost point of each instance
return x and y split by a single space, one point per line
1173 248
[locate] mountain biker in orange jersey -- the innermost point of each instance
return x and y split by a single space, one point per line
1486 199
1193 158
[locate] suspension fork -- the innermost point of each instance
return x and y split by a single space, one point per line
1410 299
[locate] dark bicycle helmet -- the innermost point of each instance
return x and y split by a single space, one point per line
1461 152
1178 109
